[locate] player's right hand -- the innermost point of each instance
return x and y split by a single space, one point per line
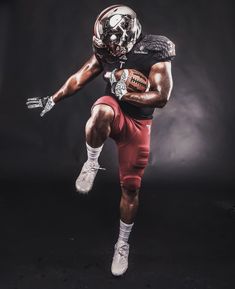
46 103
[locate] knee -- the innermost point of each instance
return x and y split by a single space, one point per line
131 185
101 118
130 196
102 113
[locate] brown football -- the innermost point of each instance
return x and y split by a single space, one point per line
136 81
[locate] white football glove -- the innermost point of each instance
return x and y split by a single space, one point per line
118 87
46 103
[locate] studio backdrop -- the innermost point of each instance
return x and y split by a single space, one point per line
44 42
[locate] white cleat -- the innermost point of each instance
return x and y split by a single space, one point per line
120 258
85 180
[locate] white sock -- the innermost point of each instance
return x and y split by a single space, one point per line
93 153
124 232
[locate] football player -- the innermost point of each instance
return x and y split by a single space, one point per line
119 43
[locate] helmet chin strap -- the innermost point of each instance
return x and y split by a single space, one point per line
118 52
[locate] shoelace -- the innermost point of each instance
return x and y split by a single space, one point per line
102 169
91 167
123 250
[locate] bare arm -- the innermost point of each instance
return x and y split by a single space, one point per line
160 88
75 82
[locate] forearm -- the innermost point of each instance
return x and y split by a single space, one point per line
78 80
161 84
149 99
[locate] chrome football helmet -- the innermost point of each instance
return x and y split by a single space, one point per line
116 29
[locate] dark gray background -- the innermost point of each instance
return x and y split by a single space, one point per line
43 42
53 238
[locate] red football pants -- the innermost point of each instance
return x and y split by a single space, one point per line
132 137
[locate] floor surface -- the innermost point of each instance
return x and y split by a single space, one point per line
53 238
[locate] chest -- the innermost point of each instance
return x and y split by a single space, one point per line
140 62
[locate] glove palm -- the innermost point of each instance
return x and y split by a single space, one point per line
46 103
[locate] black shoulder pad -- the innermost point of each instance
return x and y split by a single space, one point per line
161 46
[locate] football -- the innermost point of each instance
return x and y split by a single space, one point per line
135 82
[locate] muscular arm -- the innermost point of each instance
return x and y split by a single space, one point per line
160 88
75 82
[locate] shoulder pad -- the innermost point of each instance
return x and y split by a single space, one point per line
163 47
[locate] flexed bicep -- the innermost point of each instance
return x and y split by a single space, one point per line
88 71
160 78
